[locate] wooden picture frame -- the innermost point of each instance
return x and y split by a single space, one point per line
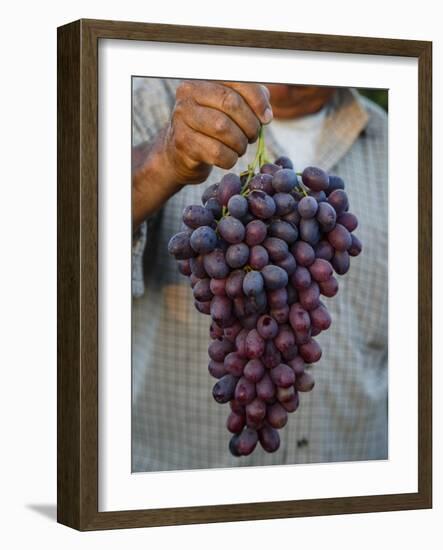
77 457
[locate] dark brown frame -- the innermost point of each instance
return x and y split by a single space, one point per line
77 457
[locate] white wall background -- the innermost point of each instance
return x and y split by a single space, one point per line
28 272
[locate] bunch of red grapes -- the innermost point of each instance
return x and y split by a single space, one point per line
260 252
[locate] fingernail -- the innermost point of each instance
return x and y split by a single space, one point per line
266 90
268 115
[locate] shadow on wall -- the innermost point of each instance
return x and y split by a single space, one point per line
48 511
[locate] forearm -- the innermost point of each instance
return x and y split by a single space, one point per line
153 180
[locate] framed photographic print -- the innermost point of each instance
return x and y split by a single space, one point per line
244 275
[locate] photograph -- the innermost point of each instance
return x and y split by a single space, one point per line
259 274
218 312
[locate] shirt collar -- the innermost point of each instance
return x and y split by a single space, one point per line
346 118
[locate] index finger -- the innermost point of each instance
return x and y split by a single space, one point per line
256 96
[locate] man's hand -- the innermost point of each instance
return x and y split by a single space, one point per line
211 124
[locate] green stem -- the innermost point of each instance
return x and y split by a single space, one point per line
261 157
301 185
302 189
